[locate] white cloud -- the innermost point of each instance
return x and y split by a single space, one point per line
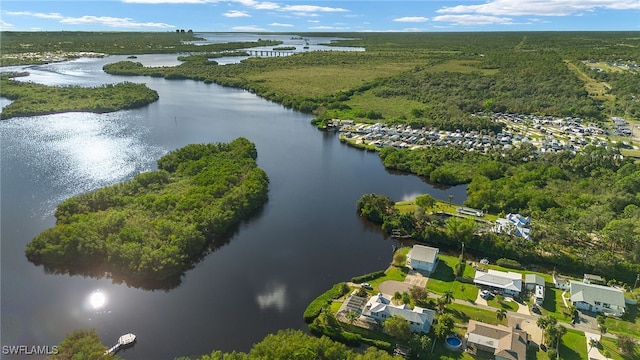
169 1
89 19
112 22
5 25
312 8
325 27
468 19
417 19
280 24
235 14
248 28
306 14
540 7
266 5
274 297
313 21
37 15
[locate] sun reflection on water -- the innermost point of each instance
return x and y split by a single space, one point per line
97 300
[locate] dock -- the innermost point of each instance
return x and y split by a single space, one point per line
124 341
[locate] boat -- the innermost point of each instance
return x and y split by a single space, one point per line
127 340
132 57
124 341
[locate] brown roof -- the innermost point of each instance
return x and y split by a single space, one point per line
508 343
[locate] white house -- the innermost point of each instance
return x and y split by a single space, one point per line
423 258
560 283
514 224
535 283
597 298
380 308
509 283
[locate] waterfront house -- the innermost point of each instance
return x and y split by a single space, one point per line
597 298
380 308
503 342
422 258
508 283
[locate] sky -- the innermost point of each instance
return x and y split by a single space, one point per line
319 16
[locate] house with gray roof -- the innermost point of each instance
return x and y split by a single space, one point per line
422 258
380 308
505 343
509 283
597 298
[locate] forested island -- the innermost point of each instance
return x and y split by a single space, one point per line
149 230
31 99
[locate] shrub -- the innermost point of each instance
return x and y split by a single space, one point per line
314 308
366 277
380 344
509 263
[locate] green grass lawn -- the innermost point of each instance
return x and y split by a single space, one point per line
629 324
554 306
573 346
507 305
443 279
464 313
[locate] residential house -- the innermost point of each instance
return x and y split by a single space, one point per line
380 308
597 298
560 283
422 258
514 224
503 342
535 283
509 283
593 279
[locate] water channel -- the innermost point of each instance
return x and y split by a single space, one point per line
307 237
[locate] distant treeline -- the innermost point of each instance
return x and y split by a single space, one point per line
111 43
440 78
148 231
36 99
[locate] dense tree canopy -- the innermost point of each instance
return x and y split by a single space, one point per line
35 99
82 344
584 207
296 345
151 229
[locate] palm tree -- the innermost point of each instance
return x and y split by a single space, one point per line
592 343
351 317
544 322
448 296
397 297
501 314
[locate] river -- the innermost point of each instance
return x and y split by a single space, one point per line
307 237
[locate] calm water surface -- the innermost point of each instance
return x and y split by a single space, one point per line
307 237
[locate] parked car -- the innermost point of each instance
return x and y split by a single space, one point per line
486 294
366 286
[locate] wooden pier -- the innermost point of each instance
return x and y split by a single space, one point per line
124 341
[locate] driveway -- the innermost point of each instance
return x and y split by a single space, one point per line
414 278
390 287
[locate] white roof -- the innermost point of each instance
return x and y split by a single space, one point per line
590 293
424 253
499 279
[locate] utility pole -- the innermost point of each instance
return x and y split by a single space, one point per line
636 283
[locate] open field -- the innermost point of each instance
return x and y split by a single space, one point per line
597 90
